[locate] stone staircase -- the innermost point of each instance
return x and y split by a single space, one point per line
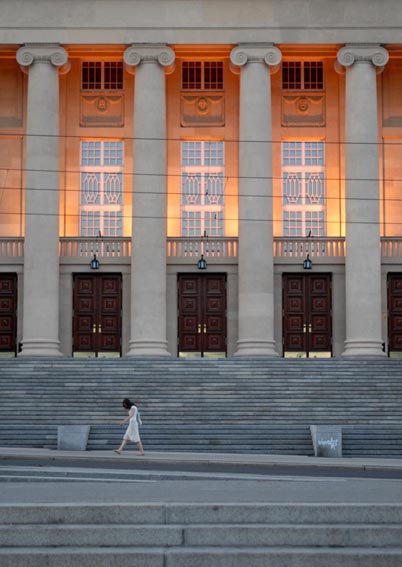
233 405
201 535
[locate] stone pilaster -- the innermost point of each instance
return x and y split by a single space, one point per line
148 264
363 258
255 252
40 335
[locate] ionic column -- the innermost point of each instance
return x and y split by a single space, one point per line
40 336
148 263
255 251
363 258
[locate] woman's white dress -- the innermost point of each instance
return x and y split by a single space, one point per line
132 433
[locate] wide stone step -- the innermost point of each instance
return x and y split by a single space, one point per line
233 535
200 557
201 514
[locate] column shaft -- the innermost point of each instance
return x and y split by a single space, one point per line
363 257
256 281
41 242
148 268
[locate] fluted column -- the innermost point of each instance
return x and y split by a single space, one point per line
40 335
363 257
148 263
255 252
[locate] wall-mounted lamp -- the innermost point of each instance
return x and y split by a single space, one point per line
94 263
202 264
307 264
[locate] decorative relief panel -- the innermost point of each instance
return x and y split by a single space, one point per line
303 110
392 94
11 94
202 109
102 110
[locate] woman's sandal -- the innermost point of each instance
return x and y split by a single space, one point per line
117 451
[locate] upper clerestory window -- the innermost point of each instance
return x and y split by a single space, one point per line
202 75
303 75
102 75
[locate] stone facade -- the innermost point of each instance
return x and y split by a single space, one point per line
106 108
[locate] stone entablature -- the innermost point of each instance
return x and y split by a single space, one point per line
198 22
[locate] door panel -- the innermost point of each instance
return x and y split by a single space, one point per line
189 326
8 313
307 325
202 314
394 313
97 314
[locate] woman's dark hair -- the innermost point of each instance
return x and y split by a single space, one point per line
127 404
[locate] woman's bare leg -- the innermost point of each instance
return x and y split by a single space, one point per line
120 449
140 448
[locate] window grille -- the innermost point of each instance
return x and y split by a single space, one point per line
303 188
202 188
303 75
102 188
102 75
202 75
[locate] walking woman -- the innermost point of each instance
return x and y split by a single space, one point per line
132 433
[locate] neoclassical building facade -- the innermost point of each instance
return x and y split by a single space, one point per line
204 178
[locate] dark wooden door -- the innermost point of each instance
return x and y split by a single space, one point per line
8 313
307 325
394 313
97 314
202 314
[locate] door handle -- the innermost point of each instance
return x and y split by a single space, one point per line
94 328
304 328
310 327
205 327
99 328
199 328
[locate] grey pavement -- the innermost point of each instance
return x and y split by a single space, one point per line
365 463
240 489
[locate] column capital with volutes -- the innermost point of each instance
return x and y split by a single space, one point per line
362 53
48 53
246 53
140 53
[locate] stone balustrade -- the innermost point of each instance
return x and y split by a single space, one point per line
209 247
11 248
325 247
104 247
221 247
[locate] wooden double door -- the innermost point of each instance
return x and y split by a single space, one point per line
8 313
201 315
394 314
97 315
307 321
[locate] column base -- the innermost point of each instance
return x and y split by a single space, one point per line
148 348
363 349
251 348
40 347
